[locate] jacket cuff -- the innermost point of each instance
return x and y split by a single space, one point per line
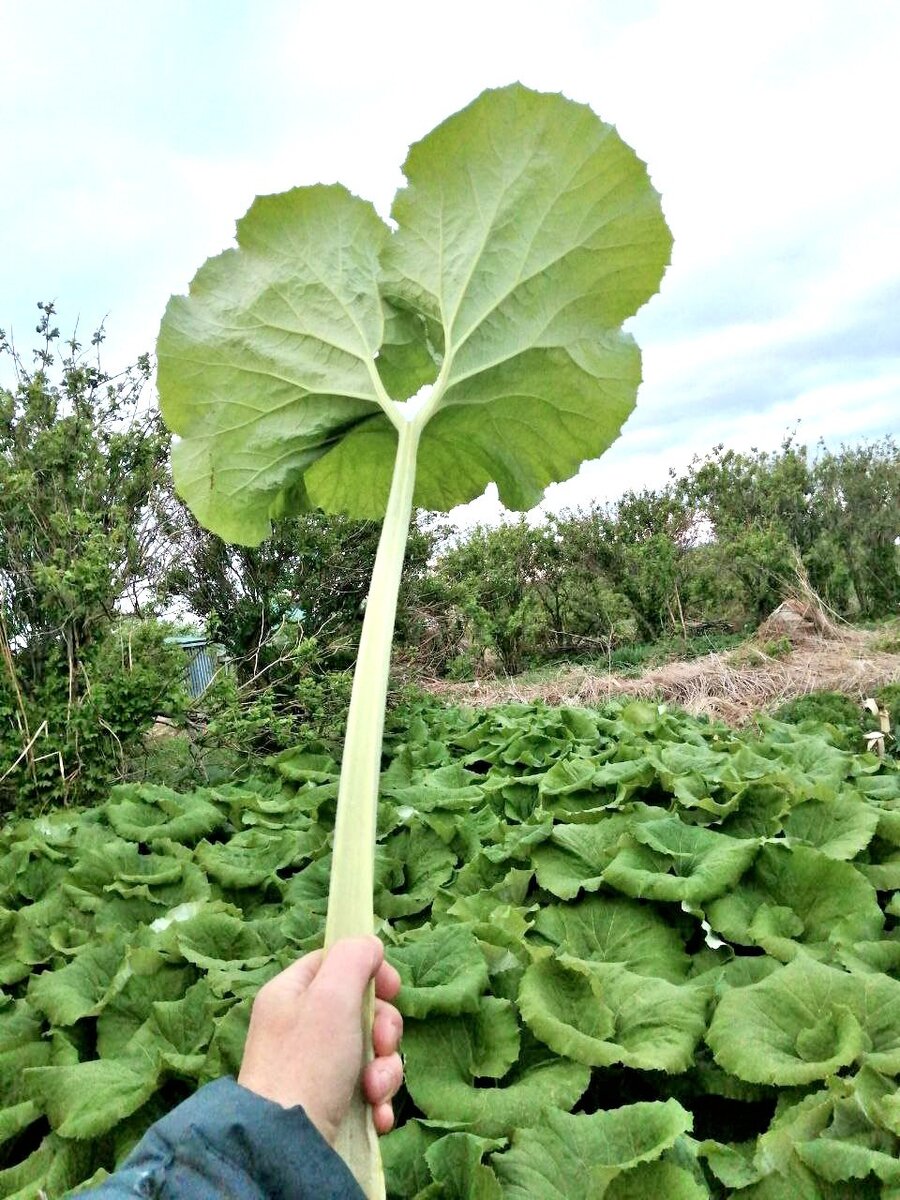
279 1148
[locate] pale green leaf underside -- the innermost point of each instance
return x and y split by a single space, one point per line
527 234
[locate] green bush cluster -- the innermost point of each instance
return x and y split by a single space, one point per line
83 481
847 719
61 745
714 551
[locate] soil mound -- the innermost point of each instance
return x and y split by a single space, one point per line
799 621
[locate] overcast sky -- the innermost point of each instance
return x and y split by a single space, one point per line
135 133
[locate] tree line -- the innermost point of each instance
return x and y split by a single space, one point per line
717 548
98 558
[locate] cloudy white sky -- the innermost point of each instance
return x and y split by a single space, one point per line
135 133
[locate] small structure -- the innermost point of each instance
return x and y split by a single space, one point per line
202 661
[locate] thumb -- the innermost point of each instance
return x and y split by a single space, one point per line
349 967
296 978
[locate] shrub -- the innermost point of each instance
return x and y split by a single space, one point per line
843 714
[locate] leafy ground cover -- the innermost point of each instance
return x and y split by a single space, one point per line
642 954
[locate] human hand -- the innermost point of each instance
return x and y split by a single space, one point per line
305 1041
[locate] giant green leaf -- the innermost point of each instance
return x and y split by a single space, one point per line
12 968
877 1008
89 1098
126 1011
455 1163
226 1048
576 1157
17 1117
21 1045
403 1154
150 813
442 970
669 860
80 988
56 1166
794 897
445 1056
601 1014
527 233
119 869
799 1024
836 1159
427 864
212 938
616 930
814 1145
180 1029
575 856
36 925
272 356
856 1143
250 858
840 827
568 775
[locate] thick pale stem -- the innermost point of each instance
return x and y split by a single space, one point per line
350 912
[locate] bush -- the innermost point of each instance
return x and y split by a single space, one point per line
83 479
295 701
831 708
61 742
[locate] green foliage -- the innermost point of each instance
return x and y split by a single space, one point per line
842 714
889 697
650 945
495 575
526 234
715 550
642 656
640 545
860 493
306 581
83 483
836 514
888 639
289 614
64 742
777 648
301 702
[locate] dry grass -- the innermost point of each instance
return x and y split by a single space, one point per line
730 687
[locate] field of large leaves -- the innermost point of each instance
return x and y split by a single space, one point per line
642 955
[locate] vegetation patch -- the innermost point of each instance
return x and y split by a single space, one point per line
730 686
628 937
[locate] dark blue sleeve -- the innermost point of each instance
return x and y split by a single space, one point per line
227 1143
